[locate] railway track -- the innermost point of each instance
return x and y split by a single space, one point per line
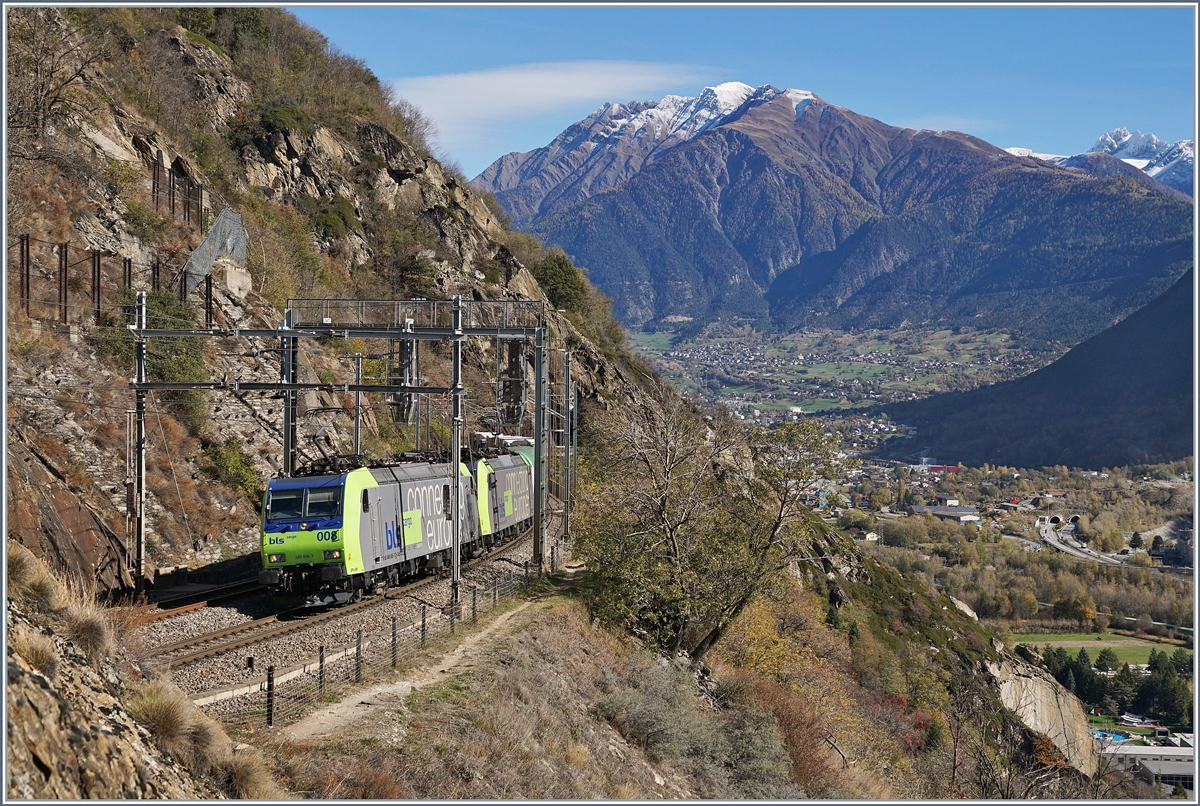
201 599
251 632
229 639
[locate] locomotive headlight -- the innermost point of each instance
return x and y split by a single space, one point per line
276 558
336 554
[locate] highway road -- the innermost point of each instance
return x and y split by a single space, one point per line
1075 550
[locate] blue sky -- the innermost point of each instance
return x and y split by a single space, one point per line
500 79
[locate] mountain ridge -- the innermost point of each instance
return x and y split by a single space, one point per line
1170 164
793 208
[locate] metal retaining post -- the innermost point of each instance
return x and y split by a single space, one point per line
208 301
456 424
358 658
358 357
270 696
539 441
393 642
26 291
96 283
63 258
321 670
474 598
422 626
139 518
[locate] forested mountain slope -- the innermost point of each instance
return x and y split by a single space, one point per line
1122 397
129 130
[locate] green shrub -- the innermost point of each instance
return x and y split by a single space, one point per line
562 282
143 222
287 118
231 466
336 220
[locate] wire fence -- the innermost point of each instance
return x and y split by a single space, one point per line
284 696
59 283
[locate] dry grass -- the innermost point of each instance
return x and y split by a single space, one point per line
523 722
89 627
167 713
22 566
208 748
197 741
126 620
86 623
248 778
30 583
38 649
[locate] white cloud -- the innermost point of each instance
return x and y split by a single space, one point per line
469 109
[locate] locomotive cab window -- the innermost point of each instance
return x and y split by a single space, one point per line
324 503
306 502
285 504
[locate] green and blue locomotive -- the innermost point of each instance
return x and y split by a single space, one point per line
330 539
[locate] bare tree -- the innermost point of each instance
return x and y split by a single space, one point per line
47 60
689 518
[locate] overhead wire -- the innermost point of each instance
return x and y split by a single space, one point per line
171 464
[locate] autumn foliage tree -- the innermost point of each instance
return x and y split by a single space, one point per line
1080 607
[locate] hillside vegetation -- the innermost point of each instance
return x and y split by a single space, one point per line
1123 397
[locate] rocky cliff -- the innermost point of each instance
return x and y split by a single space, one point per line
71 737
1044 706
335 204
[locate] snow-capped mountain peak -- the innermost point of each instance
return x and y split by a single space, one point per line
1169 163
681 117
1123 144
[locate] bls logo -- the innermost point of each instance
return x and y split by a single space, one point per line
275 541
389 535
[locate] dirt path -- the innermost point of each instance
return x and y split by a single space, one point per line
366 712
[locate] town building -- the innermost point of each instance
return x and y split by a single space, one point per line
960 514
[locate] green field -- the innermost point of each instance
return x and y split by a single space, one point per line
1128 650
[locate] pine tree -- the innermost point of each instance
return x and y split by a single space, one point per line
834 618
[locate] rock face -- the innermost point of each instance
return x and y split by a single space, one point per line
288 164
1046 707
71 738
66 459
